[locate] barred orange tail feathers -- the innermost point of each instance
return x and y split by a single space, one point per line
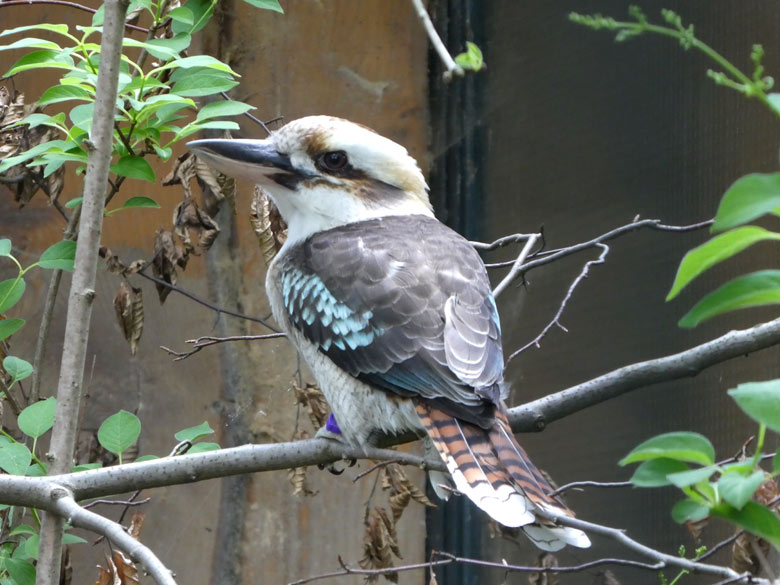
493 471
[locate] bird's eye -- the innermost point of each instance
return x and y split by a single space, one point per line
334 161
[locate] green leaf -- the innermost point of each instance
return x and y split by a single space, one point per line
134 167
653 472
693 476
140 202
682 446
754 518
119 431
5 247
61 93
35 120
748 198
68 538
223 108
143 458
60 256
75 202
716 250
14 458
22 572
472 59
206 61
776 462
738 489
760 401
97 18
197 127
266 5
182 14
774 101
751 290
11 291
194 433
87 466
685 510
40 60
31 43
176 44
203 447
17 368
82 116
31 547
201 13
9 326
29 154
61 29
202 82
23 529
38 418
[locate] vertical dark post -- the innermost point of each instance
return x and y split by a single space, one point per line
456 193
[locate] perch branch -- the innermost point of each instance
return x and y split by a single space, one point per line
206 341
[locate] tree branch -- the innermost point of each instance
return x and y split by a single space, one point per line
82 290
452 68
66 506
537 414
75 5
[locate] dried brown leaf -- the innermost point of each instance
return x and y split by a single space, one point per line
113 263
402 490
546 561
380 543
432 580
136 523
268 224
167 256
66 567
106 577
125 568
189 219
312 399
696 528
129 307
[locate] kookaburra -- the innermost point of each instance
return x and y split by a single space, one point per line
391 310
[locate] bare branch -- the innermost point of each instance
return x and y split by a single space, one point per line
556 320
207 340
82 292
66 506
75 5
537 414
517 266
452 68
663 559
599 484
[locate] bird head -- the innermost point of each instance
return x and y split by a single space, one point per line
323 172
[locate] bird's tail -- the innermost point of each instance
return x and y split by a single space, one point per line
493 470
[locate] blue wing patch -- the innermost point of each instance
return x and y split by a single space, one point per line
313 307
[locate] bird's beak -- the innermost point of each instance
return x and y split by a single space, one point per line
252 160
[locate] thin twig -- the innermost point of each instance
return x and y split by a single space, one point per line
200 301
63 3
599 484
117 503
517 265
206 341
665 559
556 320
545 257
255 119
372 469
451 68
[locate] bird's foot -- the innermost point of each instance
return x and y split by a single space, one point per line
332 432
